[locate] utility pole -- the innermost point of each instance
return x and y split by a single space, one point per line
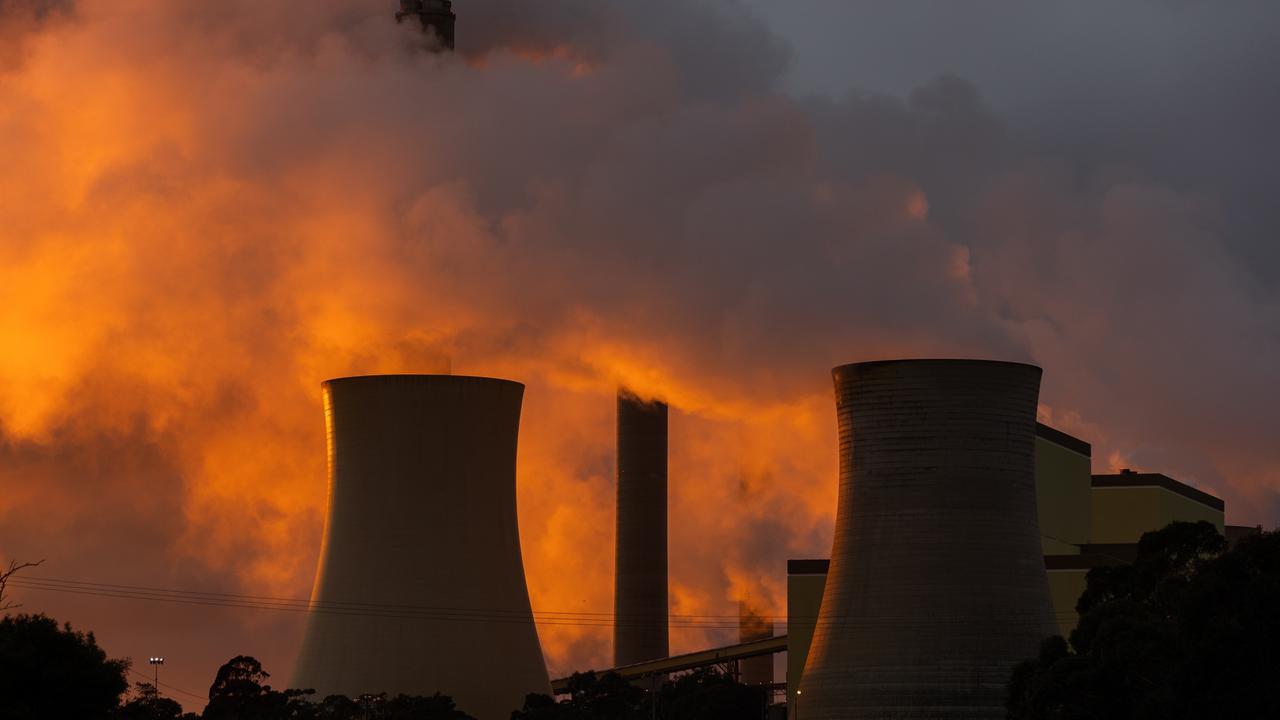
653 697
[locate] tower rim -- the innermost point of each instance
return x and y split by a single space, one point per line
423 378
922 362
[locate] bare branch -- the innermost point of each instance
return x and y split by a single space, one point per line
15 567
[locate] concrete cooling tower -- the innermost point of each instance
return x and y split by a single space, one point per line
421 586
937 585
640 568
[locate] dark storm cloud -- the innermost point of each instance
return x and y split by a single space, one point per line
19 19
721 49
1180 91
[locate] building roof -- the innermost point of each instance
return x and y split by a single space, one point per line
1058 437
808 567
1084 561
1129 478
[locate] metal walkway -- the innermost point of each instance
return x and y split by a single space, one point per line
689 661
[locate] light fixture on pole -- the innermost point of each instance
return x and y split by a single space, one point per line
157 662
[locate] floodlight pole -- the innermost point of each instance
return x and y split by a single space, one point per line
157 662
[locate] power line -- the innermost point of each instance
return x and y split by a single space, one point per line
355 609
229 600
151 681
365 609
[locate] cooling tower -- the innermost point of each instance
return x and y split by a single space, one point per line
421 585
640 569
937 585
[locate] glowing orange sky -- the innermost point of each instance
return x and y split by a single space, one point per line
209 210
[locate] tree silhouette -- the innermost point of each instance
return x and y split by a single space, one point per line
1188 630
239 693
15 567
710 695
704 694
49 672
148 705
591 697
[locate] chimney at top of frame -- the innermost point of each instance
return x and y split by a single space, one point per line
436 16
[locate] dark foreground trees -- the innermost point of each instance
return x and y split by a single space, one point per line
147 704
240 692
700 695
49 672
1189 630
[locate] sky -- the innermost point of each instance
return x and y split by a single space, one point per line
209 208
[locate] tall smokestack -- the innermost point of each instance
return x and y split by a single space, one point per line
640 580
421 585
753 624
436 16
937 586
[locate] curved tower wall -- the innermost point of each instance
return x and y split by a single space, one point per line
421 585
640 567
937 585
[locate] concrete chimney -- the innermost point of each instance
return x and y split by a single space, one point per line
753 624
640 569
435 16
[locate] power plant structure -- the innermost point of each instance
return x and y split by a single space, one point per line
435 16
953 504
640 569
937 584
420 586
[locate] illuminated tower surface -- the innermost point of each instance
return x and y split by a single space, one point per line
937 585
421 586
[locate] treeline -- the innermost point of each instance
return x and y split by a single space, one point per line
52 672
1190 629
700 695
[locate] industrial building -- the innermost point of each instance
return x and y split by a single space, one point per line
1122 507
1085 521
420 587
964 532
1080 520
